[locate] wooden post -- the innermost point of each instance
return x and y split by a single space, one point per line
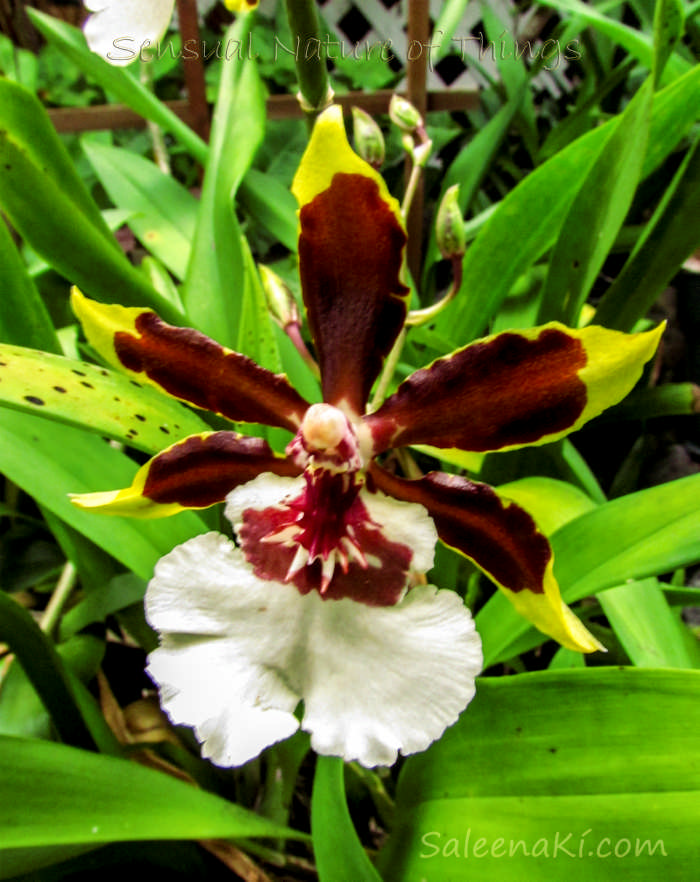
193 67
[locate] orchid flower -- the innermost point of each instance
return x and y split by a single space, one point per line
319 600
117 29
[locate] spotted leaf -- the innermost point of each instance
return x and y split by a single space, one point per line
92 398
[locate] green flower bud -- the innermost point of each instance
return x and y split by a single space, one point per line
280 300
449 227
369 141
404 115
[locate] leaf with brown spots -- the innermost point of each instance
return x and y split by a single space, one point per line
93 398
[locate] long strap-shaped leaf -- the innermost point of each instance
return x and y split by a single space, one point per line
642 534
48 205
576 775
44 668
339 853
104 799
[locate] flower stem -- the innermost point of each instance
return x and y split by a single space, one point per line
315 93
388 372
421 316
411 187
61 593
160 151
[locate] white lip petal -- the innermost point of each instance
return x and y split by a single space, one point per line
379 681
200 587
239 653
119 29
235 708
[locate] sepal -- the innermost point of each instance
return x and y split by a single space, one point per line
514 389
502 540
351 253
195 473
188 365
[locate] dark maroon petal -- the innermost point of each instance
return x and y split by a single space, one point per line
350 254
500 537
509 390
194 368
203 469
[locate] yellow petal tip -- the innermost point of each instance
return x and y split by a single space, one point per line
576 636
92 501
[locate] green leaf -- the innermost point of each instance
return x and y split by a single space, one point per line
339 853
271 204
551 503
17 64
526 222
647 533
652 635
22 711
213 288
297 372
94 398
670 399
104 799
670 236
49 461
24 320
117 81
26 124
449 17
48 205
566 658
576 775
638 44
120 592
94 567
597 212
256 336
162 212
668 29
44 668
161 279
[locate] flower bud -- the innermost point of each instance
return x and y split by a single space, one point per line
404 115
280 300
449 227
369 141
421 153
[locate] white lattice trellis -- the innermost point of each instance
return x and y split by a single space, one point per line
374 22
